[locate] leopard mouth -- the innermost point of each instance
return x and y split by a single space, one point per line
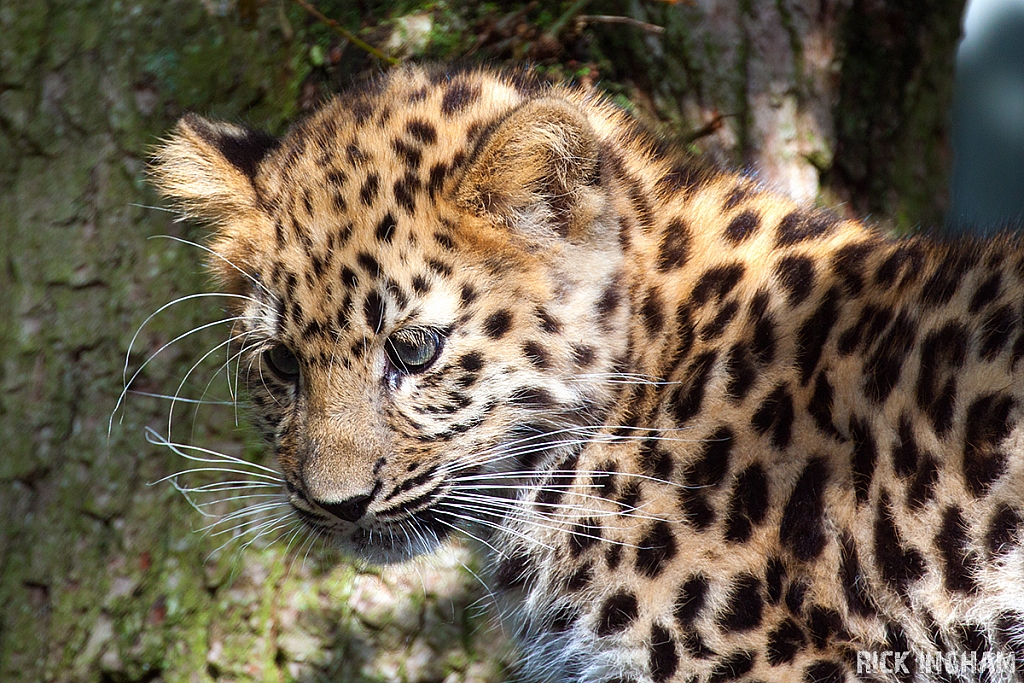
378 540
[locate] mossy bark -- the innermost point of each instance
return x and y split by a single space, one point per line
102 576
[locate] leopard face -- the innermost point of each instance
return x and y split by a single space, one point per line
410 339
701 432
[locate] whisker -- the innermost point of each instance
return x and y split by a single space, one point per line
246 533
319 535
498 454
232 499
181 385
456 528
295 533
440 509
232 392
209 469
236 485
247 511
128 382
151 207
622 378
569 474
256 511
179 399
530 519
175 302
521 504
223 258
266 532
527 445
154 437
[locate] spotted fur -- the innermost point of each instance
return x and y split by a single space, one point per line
702 433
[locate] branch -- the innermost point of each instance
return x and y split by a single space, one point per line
345 33
609 19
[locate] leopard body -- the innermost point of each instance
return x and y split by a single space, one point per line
701 432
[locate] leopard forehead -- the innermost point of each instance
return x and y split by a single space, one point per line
352 194
359 222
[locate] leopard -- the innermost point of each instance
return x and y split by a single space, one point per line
697 431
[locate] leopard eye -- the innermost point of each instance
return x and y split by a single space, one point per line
413 349
282 362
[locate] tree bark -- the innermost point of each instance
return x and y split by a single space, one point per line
103 577
842 102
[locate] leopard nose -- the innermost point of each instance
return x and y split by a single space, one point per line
349 510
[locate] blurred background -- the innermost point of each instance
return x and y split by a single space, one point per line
108 574
988 120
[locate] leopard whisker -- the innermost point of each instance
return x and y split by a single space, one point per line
181 385
489 593
571 474
522 502
517 475
255 529
267 531
128 382
250 511
152 208
531 521
226 367
235 485
518 510
524 447
499 452
226 470
464 532
293 535
440 510
539 434
310 541
622 378
181 299
154 437
528 505
595 430
216 254
255 517
221 487
180 399
232 499
263 379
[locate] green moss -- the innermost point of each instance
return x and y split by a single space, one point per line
24 29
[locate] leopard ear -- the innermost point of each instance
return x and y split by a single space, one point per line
209 167
537 172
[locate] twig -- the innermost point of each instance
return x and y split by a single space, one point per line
710 128
345 33
556 28
609 19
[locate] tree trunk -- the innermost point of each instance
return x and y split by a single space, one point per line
102 576
834 101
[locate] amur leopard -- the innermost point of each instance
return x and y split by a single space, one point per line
702 433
